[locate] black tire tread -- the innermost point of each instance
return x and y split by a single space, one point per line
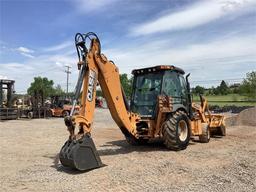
204 137
169 132
221 131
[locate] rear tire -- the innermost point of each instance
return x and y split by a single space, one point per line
205 137
176 131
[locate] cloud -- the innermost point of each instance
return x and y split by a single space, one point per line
27 55
51 66
193 16
59 64
93 5
224 58
60 46
3 77
221 59
25 51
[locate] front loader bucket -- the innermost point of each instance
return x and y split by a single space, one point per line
80 154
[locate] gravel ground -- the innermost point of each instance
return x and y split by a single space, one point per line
29 160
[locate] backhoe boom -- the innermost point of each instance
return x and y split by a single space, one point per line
94 67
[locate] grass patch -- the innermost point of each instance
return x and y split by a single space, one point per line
224 100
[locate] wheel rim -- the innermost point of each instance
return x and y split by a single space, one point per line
182 130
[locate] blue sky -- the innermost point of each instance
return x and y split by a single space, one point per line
211 39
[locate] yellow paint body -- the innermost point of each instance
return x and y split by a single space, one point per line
106 73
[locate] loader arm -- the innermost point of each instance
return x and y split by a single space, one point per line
94 67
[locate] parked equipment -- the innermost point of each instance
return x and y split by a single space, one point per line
7 111
11 108
161 107
61 107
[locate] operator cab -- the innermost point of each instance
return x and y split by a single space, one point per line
151 82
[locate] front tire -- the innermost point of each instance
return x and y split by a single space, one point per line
223 130
219 131
65 113
30 115
205 137
176 131
49 113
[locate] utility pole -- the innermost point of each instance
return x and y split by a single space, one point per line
68 72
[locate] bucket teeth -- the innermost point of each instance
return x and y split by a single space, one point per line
80 154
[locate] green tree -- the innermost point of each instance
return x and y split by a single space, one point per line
235 88
58 90
198 90
223 88
126 84
216 91
211 90
248 86
41 88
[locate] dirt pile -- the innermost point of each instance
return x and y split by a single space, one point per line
246 117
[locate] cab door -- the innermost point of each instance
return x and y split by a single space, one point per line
183 90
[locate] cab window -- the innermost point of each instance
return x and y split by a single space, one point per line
171 84
183 86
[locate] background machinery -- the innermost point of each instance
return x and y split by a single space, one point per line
161 107
7 110
61 107
13 106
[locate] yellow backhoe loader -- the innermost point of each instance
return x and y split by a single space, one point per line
161 107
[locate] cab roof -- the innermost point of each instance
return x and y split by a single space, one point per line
157 68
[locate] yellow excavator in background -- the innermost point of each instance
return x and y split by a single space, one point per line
161 107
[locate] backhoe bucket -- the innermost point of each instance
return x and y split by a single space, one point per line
80 154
